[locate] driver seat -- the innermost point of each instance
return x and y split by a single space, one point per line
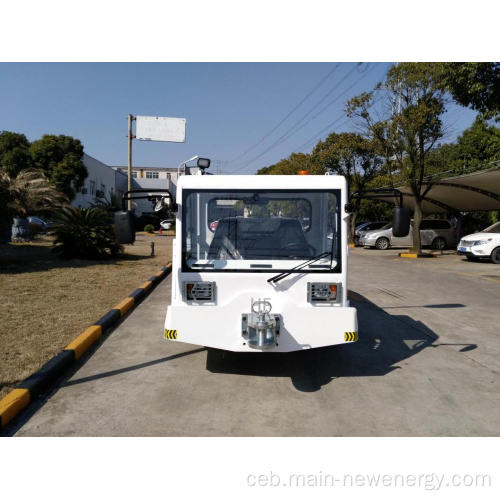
290 234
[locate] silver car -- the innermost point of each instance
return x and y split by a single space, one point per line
436 233
365 227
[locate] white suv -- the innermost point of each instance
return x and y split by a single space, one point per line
483 244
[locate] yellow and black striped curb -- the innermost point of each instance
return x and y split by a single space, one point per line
39 382
407 255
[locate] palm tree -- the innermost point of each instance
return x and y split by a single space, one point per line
85 233
30 192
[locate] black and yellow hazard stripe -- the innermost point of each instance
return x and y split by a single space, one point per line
39 382
171 334
350 336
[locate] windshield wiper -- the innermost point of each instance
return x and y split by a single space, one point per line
282 275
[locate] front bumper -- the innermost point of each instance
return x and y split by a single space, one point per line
475 251
365 242
300 327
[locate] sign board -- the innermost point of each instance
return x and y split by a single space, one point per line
160 128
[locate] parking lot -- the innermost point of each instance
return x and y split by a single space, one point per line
427 363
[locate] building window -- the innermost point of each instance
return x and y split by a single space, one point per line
92 188
134 175
168 176
152 175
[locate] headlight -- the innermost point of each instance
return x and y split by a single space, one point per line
199 291
323 292
481 242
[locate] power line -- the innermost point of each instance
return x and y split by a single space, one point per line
365 73
288 114
295 128
320 133
290 131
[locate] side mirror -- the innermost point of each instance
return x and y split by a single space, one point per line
124 227
401 222
161 204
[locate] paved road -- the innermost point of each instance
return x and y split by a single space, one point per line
427 364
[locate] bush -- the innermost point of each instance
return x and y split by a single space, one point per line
141 221
85 233
149 228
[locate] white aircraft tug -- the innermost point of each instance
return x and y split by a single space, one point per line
260 262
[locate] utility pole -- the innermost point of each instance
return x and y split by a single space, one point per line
130 137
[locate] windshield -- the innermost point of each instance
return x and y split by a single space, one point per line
252 230
495 228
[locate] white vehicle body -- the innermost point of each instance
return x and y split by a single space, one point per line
236 279
483 244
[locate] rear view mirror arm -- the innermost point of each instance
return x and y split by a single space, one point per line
401 218
149 194
369 194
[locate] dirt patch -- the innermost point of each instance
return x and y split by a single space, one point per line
45 301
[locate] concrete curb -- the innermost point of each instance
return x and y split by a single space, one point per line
407 255
39 382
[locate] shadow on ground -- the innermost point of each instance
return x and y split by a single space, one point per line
33 258
385 340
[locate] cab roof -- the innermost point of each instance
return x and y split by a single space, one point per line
262 182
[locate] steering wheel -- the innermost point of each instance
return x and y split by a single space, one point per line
297 245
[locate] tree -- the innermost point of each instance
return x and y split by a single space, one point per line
406 137
14 153
353 156
60 157
5 215
478 145
475 85
292 165
30 192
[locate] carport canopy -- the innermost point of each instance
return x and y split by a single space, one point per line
459 193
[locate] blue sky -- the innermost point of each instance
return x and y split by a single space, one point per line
229 107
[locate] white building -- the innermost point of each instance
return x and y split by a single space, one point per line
150 178
104 181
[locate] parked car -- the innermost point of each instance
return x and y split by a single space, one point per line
483 244
437 233
363 228
38 225
166 224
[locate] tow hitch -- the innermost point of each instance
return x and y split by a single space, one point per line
260 328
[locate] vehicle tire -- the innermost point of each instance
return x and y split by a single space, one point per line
471 258
495 255
439 243
382 244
